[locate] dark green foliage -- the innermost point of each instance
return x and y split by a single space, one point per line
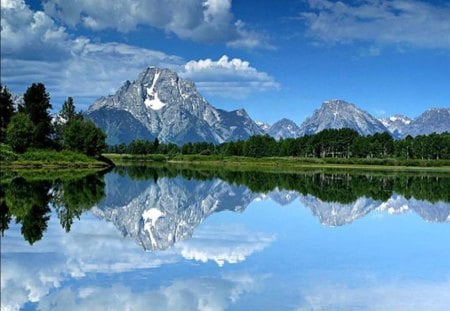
73 197
36 106
29 201
328 187
20 132
328 144
6 111
68 112
5 214
66 115
82 135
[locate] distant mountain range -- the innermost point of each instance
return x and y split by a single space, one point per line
160 104
159 213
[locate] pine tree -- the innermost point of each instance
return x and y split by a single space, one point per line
6 111
36 106
68 112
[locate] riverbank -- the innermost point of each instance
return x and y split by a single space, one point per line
50 159
286 164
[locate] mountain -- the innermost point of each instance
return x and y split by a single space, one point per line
284 128
396 124
336 114
161 104
120 125
433 120
157 214
263 126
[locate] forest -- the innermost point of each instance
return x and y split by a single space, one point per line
30 125
329 143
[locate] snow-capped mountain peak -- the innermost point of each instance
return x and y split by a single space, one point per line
284 128
263 125
161 104
396 124
341 114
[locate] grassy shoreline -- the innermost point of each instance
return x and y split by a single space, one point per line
50 159
284 164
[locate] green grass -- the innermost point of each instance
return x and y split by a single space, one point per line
46 158
45 174
284 163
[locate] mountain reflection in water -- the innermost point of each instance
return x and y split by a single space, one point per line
76 240
159 206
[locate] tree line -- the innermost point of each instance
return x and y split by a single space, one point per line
30 124
344 188
334 143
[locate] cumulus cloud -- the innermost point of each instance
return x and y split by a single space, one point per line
223 244
28 274
191 294
30 34
36 49
198 20
93 246
228 77
397 22
408 295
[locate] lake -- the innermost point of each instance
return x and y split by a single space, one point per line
171 238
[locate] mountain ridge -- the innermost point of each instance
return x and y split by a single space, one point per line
160 104
171 109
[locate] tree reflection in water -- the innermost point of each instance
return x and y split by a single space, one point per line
29 200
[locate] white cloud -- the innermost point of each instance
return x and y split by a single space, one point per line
223 244
228 77
94 246
28 274
30 34
197 20
191 294
398 22
35 49
407 295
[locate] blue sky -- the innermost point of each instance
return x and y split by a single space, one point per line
274 58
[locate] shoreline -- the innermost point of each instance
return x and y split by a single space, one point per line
280 164
272 164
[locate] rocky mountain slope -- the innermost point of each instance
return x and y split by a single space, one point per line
396 124
161 104
433 120
284 128
336 114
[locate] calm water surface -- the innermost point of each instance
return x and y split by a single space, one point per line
171 239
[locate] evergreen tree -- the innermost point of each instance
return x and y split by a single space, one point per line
68 112
6 111
36 106
82 135
19 133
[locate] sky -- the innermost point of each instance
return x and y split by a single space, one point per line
276 59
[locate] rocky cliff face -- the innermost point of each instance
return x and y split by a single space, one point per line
433 120
397 124
336 114
169 108
284 128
